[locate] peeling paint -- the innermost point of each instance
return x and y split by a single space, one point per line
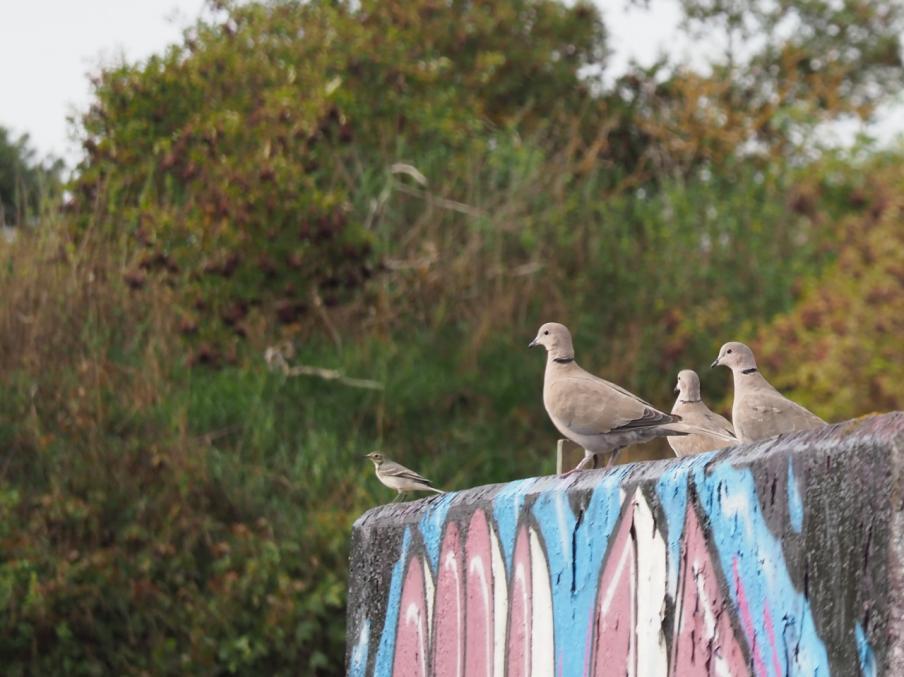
795 503
865 652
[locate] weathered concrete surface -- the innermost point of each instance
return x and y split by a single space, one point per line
777 558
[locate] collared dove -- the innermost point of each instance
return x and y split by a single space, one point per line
398 477
691 408
598 415
759 410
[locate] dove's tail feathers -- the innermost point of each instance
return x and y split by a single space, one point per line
690 429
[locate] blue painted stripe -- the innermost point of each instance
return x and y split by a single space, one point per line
507 506
740 532
386 652
672 492
865 653
432 525
573 611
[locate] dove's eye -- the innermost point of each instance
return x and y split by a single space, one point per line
546 332
729 351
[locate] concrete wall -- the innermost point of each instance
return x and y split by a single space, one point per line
778 558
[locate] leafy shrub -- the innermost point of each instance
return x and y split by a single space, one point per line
230 160
25 181
839 349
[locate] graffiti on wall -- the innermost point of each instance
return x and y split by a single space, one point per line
681 577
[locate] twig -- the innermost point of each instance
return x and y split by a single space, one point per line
333 375
452 205
214 435
277 362
324 316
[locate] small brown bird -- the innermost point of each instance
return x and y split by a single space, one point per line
691 408
398 477
759 410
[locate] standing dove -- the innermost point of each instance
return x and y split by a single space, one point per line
599 416
759 410
398 477
691 408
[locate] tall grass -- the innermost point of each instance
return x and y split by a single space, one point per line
137 536
650 278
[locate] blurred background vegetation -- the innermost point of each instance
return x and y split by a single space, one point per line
400 192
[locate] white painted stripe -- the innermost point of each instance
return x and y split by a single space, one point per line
652 577
429 589
542 640
500 606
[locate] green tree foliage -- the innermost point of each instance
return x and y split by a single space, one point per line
782 70
242 162
839 350
24 180
232 158
812 59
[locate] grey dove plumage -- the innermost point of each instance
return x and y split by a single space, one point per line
759 410
693 410
396 476
600 416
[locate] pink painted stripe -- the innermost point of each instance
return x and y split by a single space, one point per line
747 621
479 609
448 607
704 634
770 633
518 644
614 618
412 633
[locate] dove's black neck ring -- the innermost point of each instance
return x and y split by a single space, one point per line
749 371
689 401
563 360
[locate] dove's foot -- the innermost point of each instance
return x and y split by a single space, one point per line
587 460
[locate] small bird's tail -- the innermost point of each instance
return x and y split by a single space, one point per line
439 491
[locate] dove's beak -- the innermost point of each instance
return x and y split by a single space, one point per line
533 344
715 363
677 390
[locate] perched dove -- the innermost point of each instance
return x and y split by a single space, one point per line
398 477
691 408
600 416
759 410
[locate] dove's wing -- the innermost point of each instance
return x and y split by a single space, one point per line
591 406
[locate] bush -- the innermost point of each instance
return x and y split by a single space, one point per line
230 160
838 350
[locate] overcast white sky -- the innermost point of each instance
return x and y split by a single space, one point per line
48 48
